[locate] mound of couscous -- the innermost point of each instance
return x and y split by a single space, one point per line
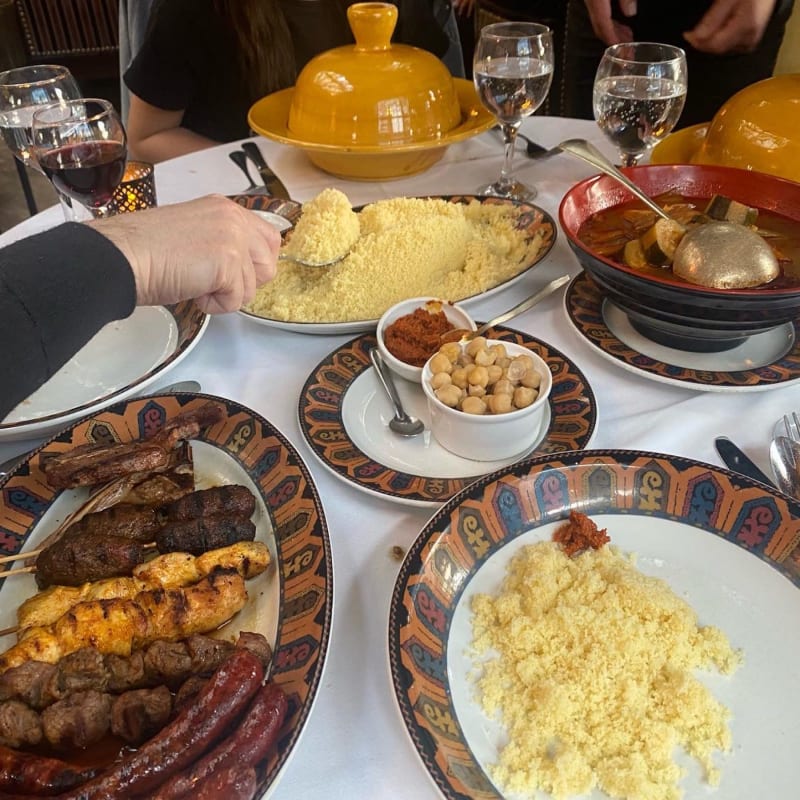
590 669
408 247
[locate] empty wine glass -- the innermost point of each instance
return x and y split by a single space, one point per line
512 70
81 147
639 92
23 90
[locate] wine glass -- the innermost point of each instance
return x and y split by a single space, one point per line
512 70
22 91
81 147
639 92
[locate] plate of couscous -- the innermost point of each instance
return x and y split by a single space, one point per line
461 248
603 624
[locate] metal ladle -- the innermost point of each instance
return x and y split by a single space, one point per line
721 255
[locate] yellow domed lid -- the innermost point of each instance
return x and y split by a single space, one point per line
758 128
373 92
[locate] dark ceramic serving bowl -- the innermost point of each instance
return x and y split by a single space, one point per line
667 309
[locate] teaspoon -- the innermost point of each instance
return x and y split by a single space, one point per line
401 422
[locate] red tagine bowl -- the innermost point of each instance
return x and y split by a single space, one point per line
596 215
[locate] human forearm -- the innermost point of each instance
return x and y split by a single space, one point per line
168 144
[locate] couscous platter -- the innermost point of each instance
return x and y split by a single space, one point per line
723 551
463 247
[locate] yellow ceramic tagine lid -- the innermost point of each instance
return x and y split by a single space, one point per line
374 92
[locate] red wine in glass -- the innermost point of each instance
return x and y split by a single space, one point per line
89 172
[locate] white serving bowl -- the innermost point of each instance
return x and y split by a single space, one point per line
489 437
454 313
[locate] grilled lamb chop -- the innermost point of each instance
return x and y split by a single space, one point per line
188 690
19 725
257 644
167 662
30 683
207 654
78 672
126 672
140 713
78 720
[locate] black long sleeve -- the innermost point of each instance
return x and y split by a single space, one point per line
57 289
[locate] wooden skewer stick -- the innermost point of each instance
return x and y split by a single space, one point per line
18 571
20 556
8 631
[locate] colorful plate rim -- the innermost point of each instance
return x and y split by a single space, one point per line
305 568
191 323
572 405
269 117
497 508
535 219
583 303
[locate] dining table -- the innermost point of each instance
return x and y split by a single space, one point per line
355 744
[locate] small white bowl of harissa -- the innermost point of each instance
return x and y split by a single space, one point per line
486 397
410 332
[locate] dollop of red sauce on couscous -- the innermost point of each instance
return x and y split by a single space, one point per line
580 534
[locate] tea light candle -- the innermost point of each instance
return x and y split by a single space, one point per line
136 191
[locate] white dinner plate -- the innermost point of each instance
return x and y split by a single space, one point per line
762 361
724 543
291 603
534 221
122 359
344 414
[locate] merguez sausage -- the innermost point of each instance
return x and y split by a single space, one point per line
232 782
248 745
201 722
36 775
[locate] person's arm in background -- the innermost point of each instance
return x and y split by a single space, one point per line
731 26
606 28
58 288
155 134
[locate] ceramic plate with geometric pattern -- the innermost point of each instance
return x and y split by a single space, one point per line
344 413
291 604
763 361
726 544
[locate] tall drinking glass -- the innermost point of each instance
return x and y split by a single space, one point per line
639 92
22 91
81 147
512 70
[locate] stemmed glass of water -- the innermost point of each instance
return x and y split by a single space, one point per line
22 91
512 70
639 92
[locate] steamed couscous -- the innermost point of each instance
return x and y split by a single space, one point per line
589 666
408 247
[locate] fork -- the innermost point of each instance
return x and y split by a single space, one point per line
532 149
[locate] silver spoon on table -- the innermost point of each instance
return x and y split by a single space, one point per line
401 422
722 255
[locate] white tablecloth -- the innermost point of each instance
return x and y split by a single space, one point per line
355 744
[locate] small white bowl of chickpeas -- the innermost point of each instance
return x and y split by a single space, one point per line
486 397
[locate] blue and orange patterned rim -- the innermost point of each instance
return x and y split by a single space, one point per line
496 509
583 302
305 570
573 416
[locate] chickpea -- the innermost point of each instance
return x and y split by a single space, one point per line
473 405
440 379
502 361
475 346
449 395
499 403
518 367
485 357
441 363
476 391
504 386
452 350
459 377
478 376
495 373
523 396
531 379
500 352
466 360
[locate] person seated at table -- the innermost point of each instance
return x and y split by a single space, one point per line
58 288
203 63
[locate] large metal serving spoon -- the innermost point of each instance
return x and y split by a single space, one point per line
401 422
721 255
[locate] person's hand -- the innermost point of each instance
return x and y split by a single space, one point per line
607 29
211 250
731 26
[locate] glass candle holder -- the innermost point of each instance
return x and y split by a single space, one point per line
137 190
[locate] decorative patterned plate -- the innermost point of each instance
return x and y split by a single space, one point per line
123 358
761 362
291 604
533 221
727 544
344 415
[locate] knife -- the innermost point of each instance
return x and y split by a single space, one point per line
737 461
272 183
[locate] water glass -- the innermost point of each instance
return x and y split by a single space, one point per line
639 92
